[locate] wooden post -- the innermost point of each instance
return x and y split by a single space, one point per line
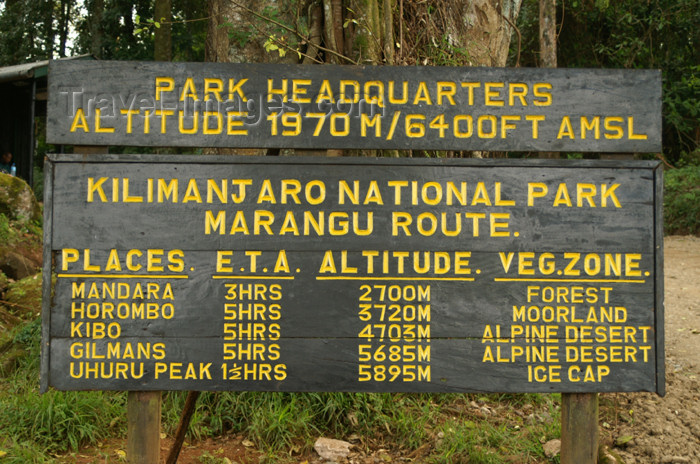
143 435
579 428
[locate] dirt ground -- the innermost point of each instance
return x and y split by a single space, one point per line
667 430
642 429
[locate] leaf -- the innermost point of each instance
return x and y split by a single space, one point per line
157 24
623 440
3 453
270 44
138 31
137 19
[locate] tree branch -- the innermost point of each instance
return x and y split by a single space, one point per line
520 38
284 45
289 29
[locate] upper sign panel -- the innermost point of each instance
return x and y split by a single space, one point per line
287 106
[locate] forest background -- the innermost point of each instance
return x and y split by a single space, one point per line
657 34
652 34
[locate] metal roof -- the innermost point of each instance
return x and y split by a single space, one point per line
31 70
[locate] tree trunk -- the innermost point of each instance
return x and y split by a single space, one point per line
163 48
329 30
315 34
247 27
216 47
374 34
548 33
96 11
548 46
476 33
485 29
487 26
65 24
389 32
126 10
224 15
337 24
49 31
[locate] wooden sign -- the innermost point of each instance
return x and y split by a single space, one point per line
353 274
286 106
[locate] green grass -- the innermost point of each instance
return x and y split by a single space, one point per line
506 436
278 422
35 427
56 421
23 453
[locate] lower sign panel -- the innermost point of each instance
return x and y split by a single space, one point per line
212 273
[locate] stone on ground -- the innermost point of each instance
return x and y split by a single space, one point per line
332 450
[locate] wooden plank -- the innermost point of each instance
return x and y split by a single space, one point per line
363 107
357 275
579 428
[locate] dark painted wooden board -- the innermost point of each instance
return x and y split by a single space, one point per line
313 308
323 364
432 108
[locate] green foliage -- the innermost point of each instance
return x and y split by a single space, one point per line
682 200
681 101
145 27
276 29
56 421
8 234
189 29
273 44
24 296
12 232
127 30
38 186
653 34
27 32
